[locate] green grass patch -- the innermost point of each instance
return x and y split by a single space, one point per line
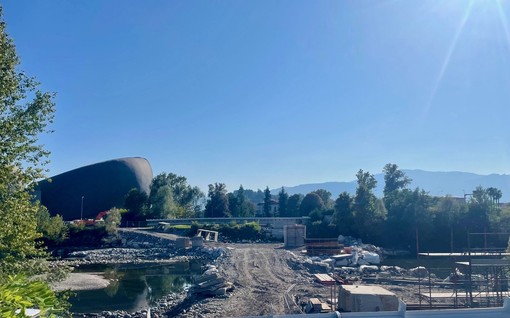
181 227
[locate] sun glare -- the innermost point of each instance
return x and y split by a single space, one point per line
471 9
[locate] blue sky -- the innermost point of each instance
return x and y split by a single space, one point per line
272 93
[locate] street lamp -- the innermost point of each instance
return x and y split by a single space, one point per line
81 211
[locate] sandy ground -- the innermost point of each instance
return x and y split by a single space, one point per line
82 281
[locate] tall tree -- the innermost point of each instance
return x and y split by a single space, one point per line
267 203
187 199
480 208
494 194
233 205
163 205
326 197
283 199
217 205
25 112
368 221
293 204
136 204
394 179
343 217
312 201
241 201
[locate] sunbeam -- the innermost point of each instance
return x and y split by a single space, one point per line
446 61
504 22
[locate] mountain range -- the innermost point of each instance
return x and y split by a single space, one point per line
453 183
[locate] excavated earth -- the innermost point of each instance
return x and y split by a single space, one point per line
268 280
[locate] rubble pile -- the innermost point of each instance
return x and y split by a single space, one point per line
210 283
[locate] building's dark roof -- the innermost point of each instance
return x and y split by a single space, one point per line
102 185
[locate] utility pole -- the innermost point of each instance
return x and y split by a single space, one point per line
81 210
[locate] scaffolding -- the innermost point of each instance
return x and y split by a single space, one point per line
478 278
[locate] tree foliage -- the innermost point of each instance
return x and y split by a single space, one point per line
136 204
53 229
326 197
238 205
283 201
368 219
343 218
18 294
312 201
394 179
25 112
217 205
172 197
294 204
267 203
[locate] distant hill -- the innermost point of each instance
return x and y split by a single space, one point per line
453 183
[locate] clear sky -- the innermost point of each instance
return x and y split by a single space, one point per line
271 93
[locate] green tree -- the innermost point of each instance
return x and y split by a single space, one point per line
217 205
187 200
343 217
267 203
233 205
283 199
53 229
394 179
294 204
367 219
112 221
410 213
480 208
326 197
25 112
312 201
246 207
162 203
494 194
447 214
136 204
241 201
18 293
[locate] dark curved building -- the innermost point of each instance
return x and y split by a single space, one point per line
94 188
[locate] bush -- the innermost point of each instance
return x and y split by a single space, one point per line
248 231
320 229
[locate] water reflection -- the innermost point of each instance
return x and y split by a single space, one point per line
129 286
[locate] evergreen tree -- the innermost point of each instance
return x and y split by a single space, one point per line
267 203
283 199
293 205
343 217
217 205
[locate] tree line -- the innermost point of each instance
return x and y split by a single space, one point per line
403 218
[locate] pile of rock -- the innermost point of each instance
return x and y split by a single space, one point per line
210 283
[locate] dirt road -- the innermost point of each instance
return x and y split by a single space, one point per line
265 283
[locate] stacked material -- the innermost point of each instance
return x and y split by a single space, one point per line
314 305
210 283
366 298
323 246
